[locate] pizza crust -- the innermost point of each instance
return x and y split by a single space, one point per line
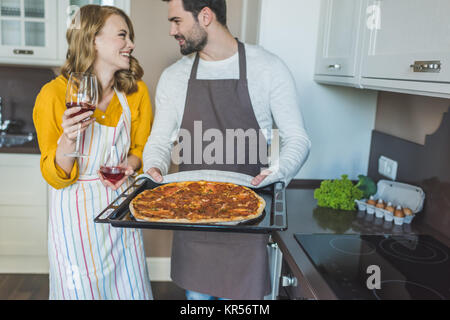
141 217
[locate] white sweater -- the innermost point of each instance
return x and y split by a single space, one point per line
274 99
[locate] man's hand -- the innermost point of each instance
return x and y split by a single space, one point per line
260 178
156 175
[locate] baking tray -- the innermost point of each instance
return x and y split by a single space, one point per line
274 217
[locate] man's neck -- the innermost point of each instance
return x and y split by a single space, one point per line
221 45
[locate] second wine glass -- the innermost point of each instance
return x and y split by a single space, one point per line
113 167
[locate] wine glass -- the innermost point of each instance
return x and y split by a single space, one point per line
82 91
113 166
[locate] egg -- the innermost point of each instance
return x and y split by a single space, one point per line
399 212
407 212
371 201
380 204
390 208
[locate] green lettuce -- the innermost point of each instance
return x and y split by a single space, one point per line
338 194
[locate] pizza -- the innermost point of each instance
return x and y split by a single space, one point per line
197 202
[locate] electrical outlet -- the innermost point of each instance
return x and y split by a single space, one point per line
387 167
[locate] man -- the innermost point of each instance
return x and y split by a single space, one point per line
222 84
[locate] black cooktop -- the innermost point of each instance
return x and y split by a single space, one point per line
381 267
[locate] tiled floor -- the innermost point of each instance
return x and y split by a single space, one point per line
35 287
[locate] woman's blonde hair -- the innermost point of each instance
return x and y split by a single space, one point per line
81 53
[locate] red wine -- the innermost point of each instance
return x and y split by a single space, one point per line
113 174
85 107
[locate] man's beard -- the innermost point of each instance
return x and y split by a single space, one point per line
196 41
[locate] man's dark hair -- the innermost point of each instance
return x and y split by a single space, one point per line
219 7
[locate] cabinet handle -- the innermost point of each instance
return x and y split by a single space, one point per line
334 66
21 51
427 66
289 281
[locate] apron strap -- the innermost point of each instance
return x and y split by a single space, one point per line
195 67
123 101
125 119
242 63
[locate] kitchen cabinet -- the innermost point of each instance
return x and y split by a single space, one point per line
33 32
408 33
23 215
339 45
28 31
389 45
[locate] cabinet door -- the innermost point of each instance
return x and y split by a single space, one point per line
23 214
400 32
338 38
28 29
122 4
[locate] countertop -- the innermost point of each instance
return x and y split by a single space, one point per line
305 217
31 147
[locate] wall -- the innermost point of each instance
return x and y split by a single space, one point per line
251 13
339 120
409 117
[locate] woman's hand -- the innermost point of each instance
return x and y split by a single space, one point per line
132 165
72 125
129 171
67 141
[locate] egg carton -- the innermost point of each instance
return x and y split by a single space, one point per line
399 194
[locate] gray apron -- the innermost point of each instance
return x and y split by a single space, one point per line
225 265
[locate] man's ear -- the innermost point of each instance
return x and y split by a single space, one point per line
206 16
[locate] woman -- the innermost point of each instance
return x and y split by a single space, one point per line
89 260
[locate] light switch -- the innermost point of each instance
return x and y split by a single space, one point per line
387 167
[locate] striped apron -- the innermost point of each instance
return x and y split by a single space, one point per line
90 261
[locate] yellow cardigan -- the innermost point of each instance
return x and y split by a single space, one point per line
47 116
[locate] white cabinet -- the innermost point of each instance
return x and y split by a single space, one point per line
23 215
33 32
390 45
28 31
338 50
408 33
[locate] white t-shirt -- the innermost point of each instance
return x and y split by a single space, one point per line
273 95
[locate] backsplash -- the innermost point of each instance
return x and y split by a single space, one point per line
410 117
19 87
427 166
